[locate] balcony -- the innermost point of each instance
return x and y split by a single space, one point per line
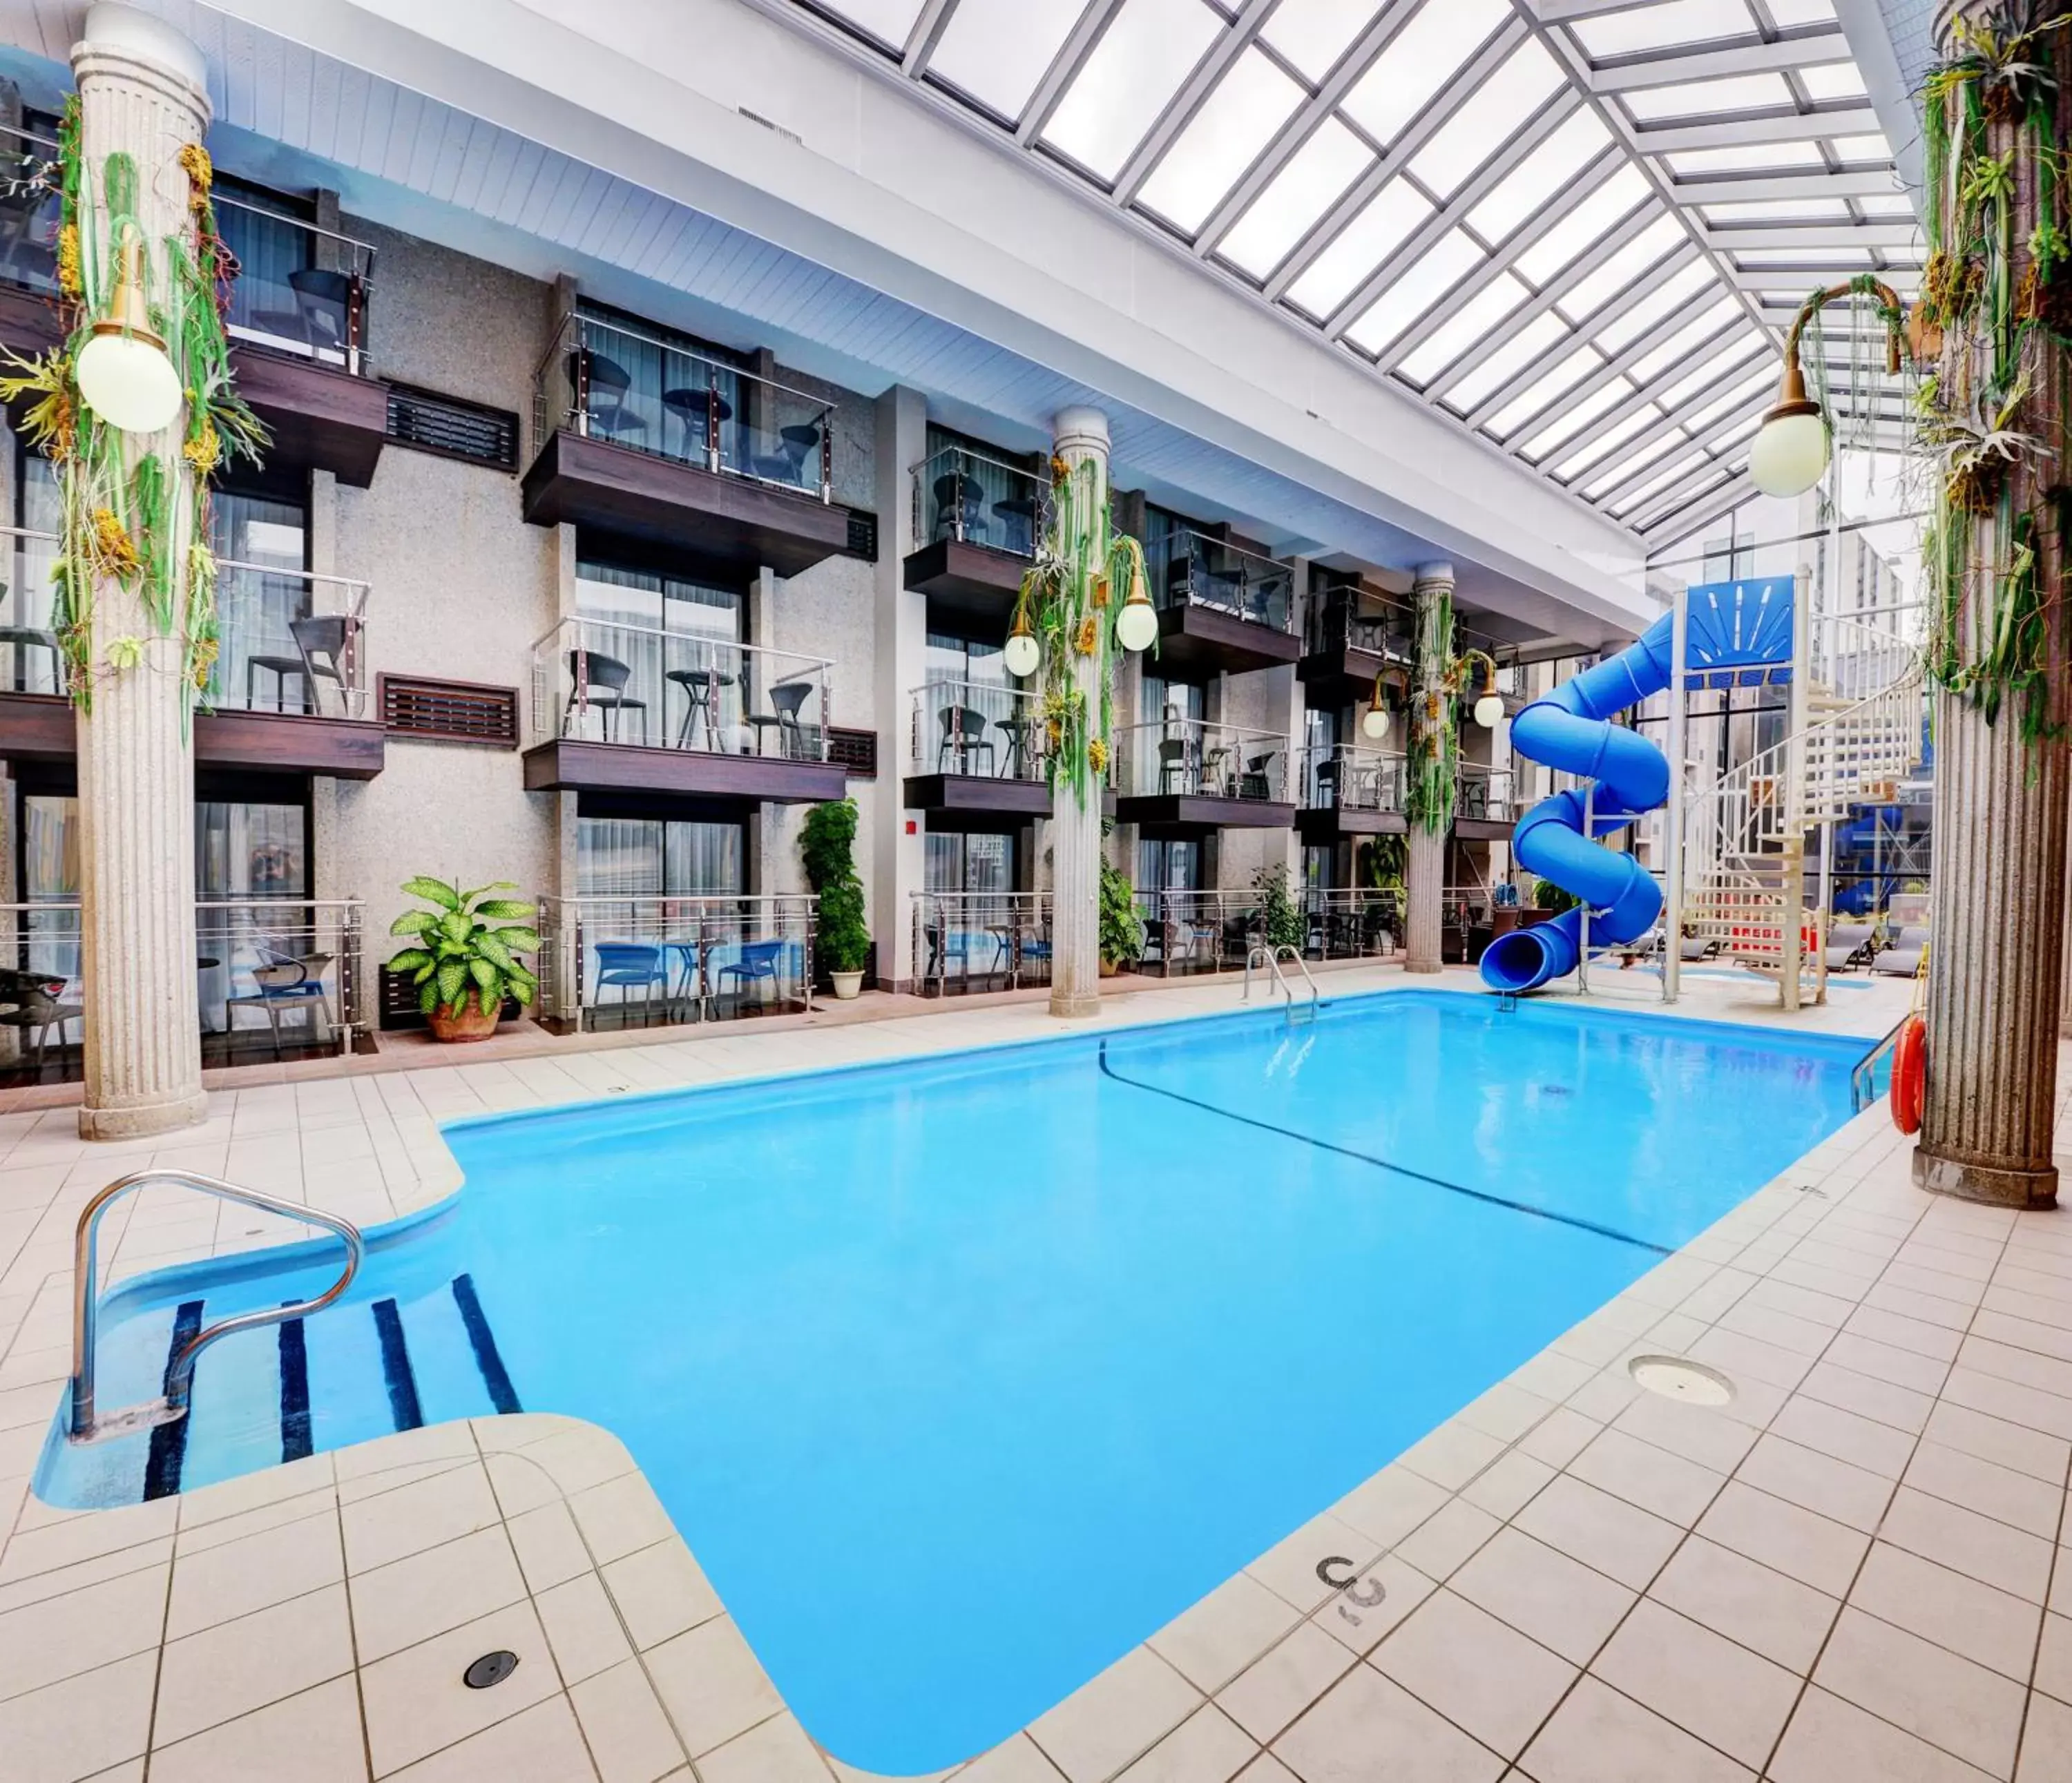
1351 634
276 979
1349 791
983 519
298 316
289 691
1223 609
1180 774
653 441
981 941
1482 811
977 752
619 707
612 963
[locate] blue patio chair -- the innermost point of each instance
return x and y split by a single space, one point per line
632 966
287 981
758 964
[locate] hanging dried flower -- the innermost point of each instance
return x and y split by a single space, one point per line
1059 470
200 172
114 552
68 279
1100 591
205 451
1056 733
1088 640
203 667
1097 755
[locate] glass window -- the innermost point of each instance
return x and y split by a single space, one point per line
1250 103
980 485
1163 699
1421 59
1295 198
966 660
1168 865
659 857
49 869
1148 48
973 860
261 543
652 387
1387 219
266 230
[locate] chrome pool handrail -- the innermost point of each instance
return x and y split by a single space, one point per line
1862 1077
84 1427
1259 951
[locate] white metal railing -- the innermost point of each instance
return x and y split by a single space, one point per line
1195 759
1344 777
607 381
603 680
988 940
1347 924
1484 791
1190 568
979 499
977 728
271 974
609 961
1345 616
1198 930
284 299
31 654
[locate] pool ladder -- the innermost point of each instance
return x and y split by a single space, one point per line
1271 958
86 1428
1863 1080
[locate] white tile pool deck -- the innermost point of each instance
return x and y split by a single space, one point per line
1849 1572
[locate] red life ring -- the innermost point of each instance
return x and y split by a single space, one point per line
1910 1074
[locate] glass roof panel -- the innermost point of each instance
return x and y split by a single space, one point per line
1668 25
1358 248
1620 469
1861 151
1586 223
1250 103
1743 158
1638 421
1679 289
1148 49
1557 160
1720 365
1486 118
997 49
889 21
1785 13
1833 80
1677 467
1594 290
1693 334
1740 92
1474 319
1885 204
1314 34
1528 402
1816 253
1570 421
1449 258
1779 209
1758 385
1518 348
1312 181
1425 55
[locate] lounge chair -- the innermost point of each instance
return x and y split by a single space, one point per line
1849 944
1902 959
1694 948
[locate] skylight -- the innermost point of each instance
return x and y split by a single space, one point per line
1536 222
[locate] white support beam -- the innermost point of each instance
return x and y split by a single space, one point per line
1742 130
1674 67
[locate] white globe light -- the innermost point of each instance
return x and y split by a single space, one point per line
129 383
1489 710
1137 625
1023 656
1790 454
1375 723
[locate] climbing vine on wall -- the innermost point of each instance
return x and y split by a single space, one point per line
1996 306
118 493
1084 573
1433 788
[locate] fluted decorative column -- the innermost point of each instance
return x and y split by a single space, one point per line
1081 437
143 92
1997 217
1431 792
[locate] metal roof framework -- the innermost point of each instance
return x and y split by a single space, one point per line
1577 227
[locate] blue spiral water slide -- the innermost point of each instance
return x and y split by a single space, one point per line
1571 731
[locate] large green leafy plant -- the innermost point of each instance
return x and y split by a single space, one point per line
1281 917
827 846
1121 927
466 942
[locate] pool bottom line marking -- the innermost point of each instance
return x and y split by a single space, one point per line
1482 1195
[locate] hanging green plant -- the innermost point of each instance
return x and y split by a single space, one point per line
119 496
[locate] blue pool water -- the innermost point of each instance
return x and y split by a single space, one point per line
963 1377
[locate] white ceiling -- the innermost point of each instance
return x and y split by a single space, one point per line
1572 226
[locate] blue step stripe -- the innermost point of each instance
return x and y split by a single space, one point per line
295 1440
169 1442
493 1375
395 1367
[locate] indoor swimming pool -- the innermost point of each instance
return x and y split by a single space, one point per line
963 1376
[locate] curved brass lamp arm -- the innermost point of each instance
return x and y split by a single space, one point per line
1819 300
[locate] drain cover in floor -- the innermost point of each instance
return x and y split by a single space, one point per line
1674 1378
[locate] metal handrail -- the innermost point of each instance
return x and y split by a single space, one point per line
179 1373
1862 1092
1259 950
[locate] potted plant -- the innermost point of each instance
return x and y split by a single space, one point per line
1279 917
1548 902
827 846
464 954
1121 927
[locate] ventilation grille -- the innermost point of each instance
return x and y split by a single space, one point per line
453 429
456 711
863 534
854 751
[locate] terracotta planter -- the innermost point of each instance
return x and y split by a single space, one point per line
464 1021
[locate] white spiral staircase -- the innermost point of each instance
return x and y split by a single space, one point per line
1745 835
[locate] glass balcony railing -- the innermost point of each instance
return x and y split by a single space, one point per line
603 681
612 383
289 641
981 941
1343 617
979 500
29 210
274 976
1191 759
610 962
1485 792
1188 568
975 728
1342 777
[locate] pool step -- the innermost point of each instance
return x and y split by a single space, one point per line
345 1376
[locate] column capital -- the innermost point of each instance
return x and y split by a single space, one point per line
120 42
1437 574
1080 429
